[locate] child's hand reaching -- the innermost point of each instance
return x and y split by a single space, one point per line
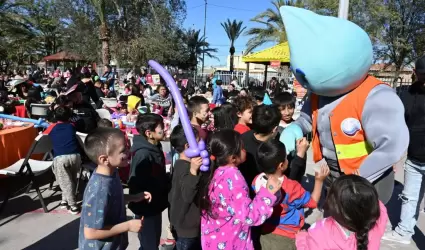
135 225
147 196
273 184
142 196
322 173
302 147
195 165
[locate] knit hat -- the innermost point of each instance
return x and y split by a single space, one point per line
132 103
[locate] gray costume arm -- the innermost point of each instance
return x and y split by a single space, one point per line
385 129
304 120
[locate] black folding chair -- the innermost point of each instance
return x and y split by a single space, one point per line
29 168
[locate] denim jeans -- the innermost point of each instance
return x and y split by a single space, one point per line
188 243
150 235
413 192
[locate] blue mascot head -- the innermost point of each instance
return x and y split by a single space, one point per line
329 56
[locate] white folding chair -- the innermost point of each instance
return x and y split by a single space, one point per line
110 102
81 138
40 110
32 168
103 113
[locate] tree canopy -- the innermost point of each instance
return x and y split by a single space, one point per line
394 26
136 30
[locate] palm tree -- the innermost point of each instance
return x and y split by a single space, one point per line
274 30
105 36
196 46
16 32
233 30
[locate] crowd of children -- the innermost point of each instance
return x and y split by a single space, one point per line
251 198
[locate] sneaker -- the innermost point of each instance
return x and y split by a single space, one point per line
64 205
74 210
395 237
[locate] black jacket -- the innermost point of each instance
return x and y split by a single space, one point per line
250 167
89 91
185 214
148 174
99 94
414 104
86 117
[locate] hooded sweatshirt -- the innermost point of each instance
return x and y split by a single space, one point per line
414 105
328 234
185 214
148 174
132 102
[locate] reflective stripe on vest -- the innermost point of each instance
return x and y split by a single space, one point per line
349 151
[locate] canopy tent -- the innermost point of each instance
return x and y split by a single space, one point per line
279 52
63 56
276 56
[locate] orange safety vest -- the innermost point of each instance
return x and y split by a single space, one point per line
351 148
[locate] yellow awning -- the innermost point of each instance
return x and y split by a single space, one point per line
279 52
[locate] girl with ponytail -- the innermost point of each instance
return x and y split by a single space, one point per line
356 221
228 213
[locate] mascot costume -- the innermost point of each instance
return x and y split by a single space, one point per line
356 120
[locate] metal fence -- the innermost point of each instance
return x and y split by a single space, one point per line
254 78
400 84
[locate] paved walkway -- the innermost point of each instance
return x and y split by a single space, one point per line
23 225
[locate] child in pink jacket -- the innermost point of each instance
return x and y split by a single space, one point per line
356 221
227 211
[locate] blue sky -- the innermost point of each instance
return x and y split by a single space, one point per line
218 11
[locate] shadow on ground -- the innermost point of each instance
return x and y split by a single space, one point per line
21 202
18 206
64 238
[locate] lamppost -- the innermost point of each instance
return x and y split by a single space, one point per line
343 9
205 28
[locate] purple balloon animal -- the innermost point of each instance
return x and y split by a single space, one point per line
195 149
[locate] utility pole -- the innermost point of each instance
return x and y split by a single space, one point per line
205 29
343 9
